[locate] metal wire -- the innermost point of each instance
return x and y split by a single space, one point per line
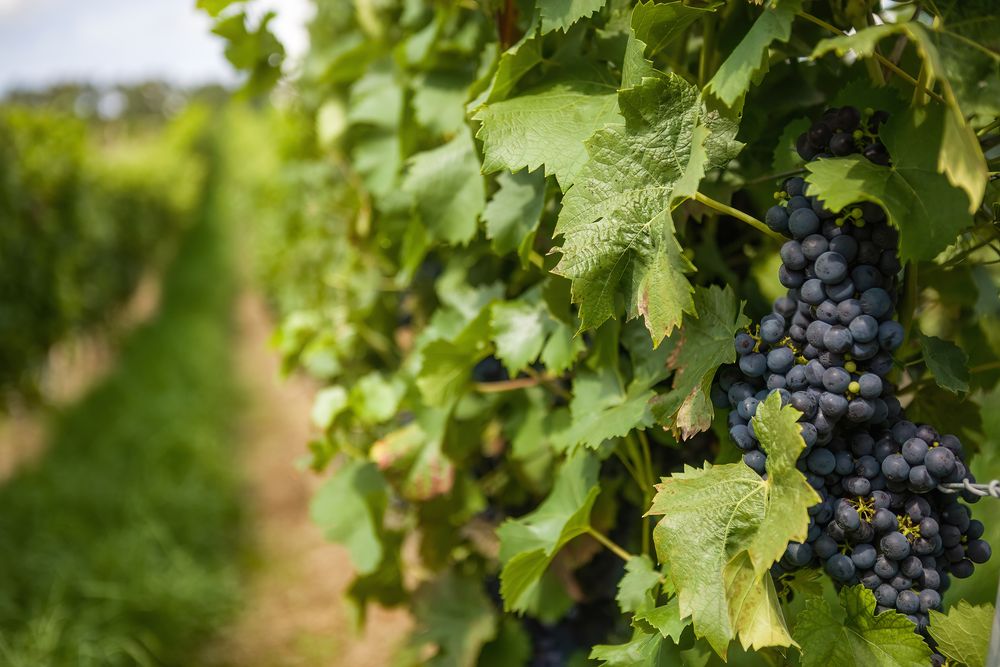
991 488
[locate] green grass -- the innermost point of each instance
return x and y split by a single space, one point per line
122 546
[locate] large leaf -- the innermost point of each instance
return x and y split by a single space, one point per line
616 220
956 148
698 348
963 634
722 528
748 61
454 614
348 508
546 126
448 188
528 544
856 637
926 209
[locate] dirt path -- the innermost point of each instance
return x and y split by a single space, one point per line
294 614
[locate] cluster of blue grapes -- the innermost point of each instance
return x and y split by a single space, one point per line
827 348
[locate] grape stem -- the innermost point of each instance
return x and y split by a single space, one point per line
739 215
888 64
985 130
606 541
512 385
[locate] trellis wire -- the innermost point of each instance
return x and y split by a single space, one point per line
991 488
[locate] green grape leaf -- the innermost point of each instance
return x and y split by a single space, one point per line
785 157
618 234
636 587
722 528
928 212
454 614
448 188
697 349
546 126
439 100
855 637
665 619
214 7
957 151
643 650
348 508
327 405
511 66
561 14
963 634
378 157
513 214
528 544
562 348
374 399
947 362
655 26
602 408
446 369
747 63
376 99
519 330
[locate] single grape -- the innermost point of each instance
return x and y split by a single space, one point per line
840 567
869 385
865 277
864 556
911 567
895 546
962 569
884 521
907 602
830 267
825 546
799 554
914 451
847 516
836 380
858 486
832 405
780 360
794 186
929 599
756 460
867 467
978 551
753 364
876 302
884 567
940 461
744 343
886 595
860 410
803 221
821 461
922 481
890 334
741 437
842 143
838 339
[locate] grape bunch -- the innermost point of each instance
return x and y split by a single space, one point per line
827 348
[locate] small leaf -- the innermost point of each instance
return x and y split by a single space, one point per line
855 637
665 619
655 26
561 14
697 350
512 215
636 587
448 362
454 614
528 544
374 399
643 650
748 61
329 403
519 331
963 634
947 362
448 188
603 409
348 508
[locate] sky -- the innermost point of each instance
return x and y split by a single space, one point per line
108 41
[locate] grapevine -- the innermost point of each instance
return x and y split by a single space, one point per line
568 413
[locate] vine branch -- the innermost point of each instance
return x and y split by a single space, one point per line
739 215
611 545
